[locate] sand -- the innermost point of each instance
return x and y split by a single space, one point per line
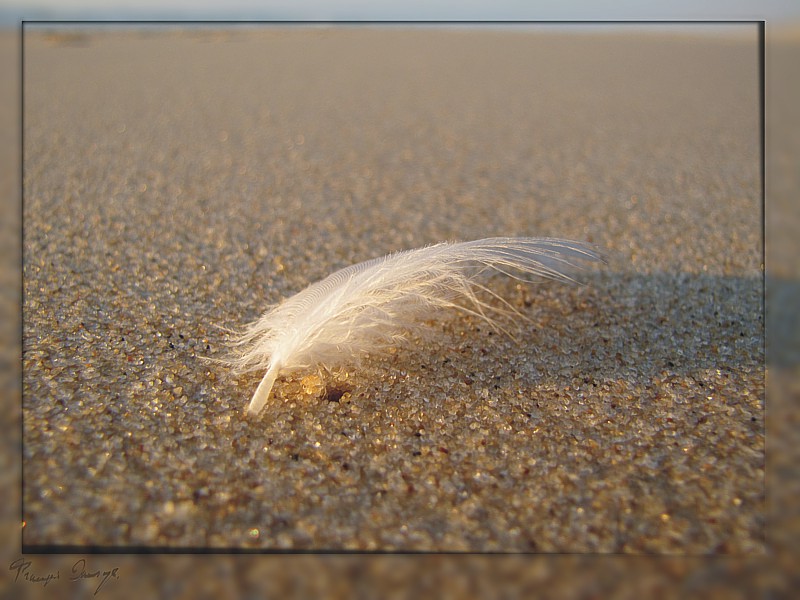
177 182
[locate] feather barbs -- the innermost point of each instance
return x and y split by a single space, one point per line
366 306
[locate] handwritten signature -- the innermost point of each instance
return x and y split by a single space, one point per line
23 569
79 570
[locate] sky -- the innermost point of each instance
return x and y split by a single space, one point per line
327 10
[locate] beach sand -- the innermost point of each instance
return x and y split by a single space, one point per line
178 181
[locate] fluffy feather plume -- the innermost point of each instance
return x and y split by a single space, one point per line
365 307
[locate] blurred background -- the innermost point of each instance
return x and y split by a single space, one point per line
571 576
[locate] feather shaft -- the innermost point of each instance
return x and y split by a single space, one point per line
263 390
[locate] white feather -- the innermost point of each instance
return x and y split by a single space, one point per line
366 306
